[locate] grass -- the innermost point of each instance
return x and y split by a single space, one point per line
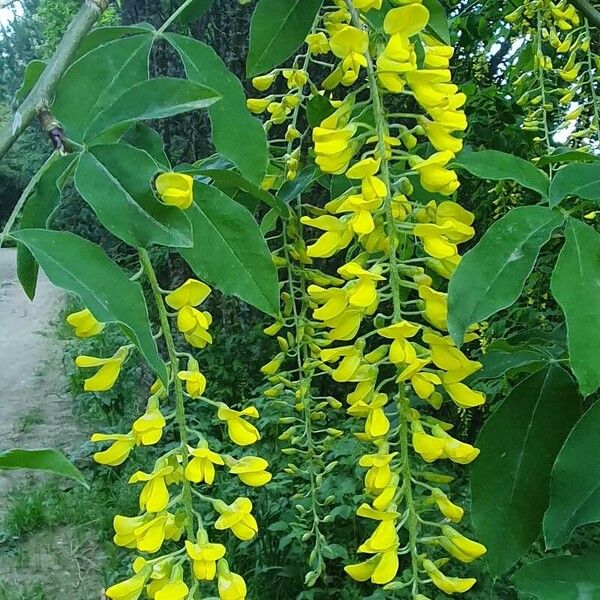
29 420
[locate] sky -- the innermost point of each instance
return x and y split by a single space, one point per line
6 13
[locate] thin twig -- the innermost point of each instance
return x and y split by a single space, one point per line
82 22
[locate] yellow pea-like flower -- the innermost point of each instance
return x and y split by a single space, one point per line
237 517
446 506
231 586
201 466
449 585
155 494
264 82
258 105
195 381
149 427
107 374
176 189
190 293
252 471
204 555
175 588
85 324
240 431
130 589
406 20
459 546
119 450
380 569
317 43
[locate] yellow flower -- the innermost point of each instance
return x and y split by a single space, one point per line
251 470
350 364
449 585
446 507
379 474
440 137
194 325
258 105
155 495
176 189
295 78
190 293
240 431
434 177
195 382
461 394
237 517
149 427
406 20
429 447
175 588
264 82
457 451
273 365
231 586
422 383
459 546
338 235
366 5
380 569
317 43
145 533
201 466
401 350
349 41
377 424
436 306
130 589
204 556
85 324
107 374
118 452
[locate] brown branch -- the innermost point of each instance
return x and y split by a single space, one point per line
41 93
591 13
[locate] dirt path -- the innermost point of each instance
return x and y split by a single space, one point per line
36 411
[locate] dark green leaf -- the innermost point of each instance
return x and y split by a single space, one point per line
229 251
561 578
576 179
269 221
497 363
194 11
35 215
575 287
97 79
116 181
566 155
575 487
292 189
438 21
32 73
153 99
81 267
278 29
229 181
44 459
511 477
318 109
145 138
245 143
491 276
103 35
495 165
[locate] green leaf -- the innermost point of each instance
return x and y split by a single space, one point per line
292 189
45 459
33 72
103 35
575 287
145 138
576 179
153 99
36 212
79 266
278 29
229 251
318 109
116 181
496 165
97 79
511 477
566 155
497 363
575 485
194 11
491 276
246 143
230 181
438 21
269 222
561 578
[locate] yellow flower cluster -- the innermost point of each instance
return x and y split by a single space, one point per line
169 490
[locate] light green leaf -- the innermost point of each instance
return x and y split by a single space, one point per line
496 165
510 479
229 251
438 21
230 181
97 79
36 212
33 72
116 181
576 179
79 266
497 363
292 189
318 109
157 98
103 35
567 155
575 484
278 29
145 138
491 276
246 143
561 578
194 11
575 287
44 459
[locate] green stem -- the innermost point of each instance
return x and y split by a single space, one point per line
595 99
395 285
179 399
540 71
174 16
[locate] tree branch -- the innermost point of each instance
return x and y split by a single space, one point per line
591 13
40 95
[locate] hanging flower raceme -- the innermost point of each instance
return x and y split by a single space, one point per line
170 489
